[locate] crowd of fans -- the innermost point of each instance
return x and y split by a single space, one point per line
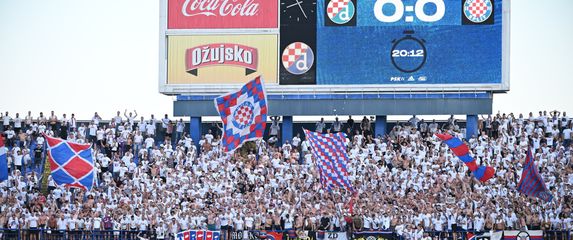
152 177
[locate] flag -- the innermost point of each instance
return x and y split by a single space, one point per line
274 235
330 153
462 151
3 161
531 183
71 164
244 114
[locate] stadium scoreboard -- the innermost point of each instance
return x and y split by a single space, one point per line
334 46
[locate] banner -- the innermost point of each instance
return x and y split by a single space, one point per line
322 235
220 59
374 236
532 235
220 14
198 235
305 235
239 235
256 235
485 236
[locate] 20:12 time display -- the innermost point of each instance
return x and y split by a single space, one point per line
406 53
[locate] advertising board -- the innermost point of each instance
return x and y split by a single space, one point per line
221 14
221 59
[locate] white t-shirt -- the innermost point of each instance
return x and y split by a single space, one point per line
72 224
149 142
295 141
137 139
97 223
567 133
100 134
62 224
32 221
209 137
17 122
239 224
249 222
7 120
17 160
180 127
150 129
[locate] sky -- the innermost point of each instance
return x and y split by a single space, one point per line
79 56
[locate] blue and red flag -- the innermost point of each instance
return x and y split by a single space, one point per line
72 164
244 114
330 153
531 183
3 161
462 151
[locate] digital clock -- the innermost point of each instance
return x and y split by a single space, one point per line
411 11
408 54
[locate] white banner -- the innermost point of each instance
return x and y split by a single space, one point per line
332 236
532 235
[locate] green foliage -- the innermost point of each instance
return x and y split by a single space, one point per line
247 147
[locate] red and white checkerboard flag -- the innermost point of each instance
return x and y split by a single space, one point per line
244 114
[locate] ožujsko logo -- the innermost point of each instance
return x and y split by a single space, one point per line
478 11
219 8
340 11
221 54
297 58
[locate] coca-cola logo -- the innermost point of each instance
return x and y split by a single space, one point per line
221 8
221 54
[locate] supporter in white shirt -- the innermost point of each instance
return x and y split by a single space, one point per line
149 141
17 123
209 136
62 224
6 120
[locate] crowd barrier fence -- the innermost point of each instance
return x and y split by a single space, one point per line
50 234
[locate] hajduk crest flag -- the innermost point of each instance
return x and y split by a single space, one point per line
71 163
331 158
244 114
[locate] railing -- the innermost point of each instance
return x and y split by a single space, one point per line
558 235
51 234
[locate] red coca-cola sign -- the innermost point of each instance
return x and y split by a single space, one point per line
218 14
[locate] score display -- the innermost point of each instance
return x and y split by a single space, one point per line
418 9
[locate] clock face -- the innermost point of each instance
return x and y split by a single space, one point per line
409 54
298 11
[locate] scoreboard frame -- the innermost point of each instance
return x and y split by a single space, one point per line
277 88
